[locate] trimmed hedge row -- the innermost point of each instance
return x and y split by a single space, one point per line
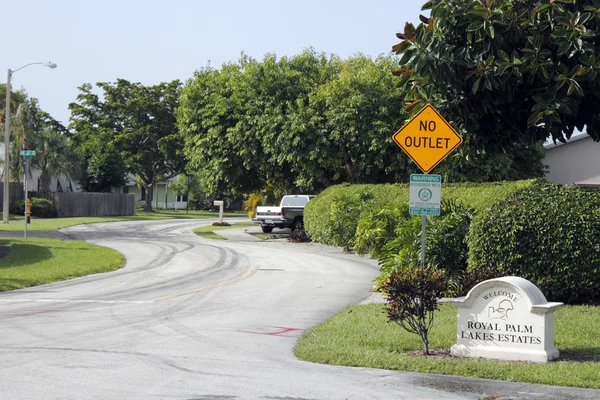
548 234
543 232
332 217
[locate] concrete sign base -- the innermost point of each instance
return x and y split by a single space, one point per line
505 318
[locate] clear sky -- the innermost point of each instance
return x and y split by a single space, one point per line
154 41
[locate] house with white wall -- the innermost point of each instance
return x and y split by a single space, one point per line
162 198
575 162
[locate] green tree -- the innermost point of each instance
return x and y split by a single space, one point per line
212 105
355 114
188 185
281 119
37 130
54 157
297 123
508 74
17 99
137 126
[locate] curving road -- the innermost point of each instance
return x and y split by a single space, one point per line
191 318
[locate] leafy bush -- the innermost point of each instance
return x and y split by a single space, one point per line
376 227
17 207
548 234
344 214
404 250
40 208
322 212
446 244
251 203
460 283
447 237
319 219
412 295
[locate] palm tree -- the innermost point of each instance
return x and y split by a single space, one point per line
23 127
18 115
54 157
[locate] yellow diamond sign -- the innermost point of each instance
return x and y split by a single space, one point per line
427 138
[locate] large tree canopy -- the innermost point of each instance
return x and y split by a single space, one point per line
508 73
299 124
132 125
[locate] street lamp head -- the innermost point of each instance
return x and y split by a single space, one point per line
50 65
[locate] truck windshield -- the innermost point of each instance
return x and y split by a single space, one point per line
294 201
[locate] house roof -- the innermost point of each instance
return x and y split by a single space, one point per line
576 136
590 182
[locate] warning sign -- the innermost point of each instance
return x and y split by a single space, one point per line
427 138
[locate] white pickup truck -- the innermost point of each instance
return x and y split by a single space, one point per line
289 214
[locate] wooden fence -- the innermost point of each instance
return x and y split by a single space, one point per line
75 204
15 193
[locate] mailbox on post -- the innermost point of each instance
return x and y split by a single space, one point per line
220 204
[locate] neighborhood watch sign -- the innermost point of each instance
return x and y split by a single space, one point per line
505 318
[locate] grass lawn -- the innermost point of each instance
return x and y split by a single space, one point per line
360 336
50 224
209 231
38 261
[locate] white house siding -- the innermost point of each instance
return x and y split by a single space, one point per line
573 162
33 183
160 199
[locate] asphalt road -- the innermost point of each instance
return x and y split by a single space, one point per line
193 318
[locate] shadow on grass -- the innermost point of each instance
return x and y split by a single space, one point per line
580 355
24 254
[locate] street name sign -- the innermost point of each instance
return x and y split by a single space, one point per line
425 194
27 152
427 138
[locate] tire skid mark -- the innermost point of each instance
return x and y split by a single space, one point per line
114 324
219 285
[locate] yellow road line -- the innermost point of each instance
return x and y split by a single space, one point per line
209 287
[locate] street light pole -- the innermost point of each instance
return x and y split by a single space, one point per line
6 143
6 197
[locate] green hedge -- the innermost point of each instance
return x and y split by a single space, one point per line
543 232
332 217
40 208
548 234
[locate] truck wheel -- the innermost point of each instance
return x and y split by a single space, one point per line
298 225
266 229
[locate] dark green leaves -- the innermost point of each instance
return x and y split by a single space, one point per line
508 73
299 123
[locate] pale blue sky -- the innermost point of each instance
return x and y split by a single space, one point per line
151 41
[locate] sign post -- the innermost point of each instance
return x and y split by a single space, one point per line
427 139
425 198
27 155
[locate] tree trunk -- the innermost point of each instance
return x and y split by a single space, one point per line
426 344
149 194
44 182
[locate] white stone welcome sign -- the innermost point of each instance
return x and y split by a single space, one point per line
505 318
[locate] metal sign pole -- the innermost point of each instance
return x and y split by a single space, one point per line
25 202
423 241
